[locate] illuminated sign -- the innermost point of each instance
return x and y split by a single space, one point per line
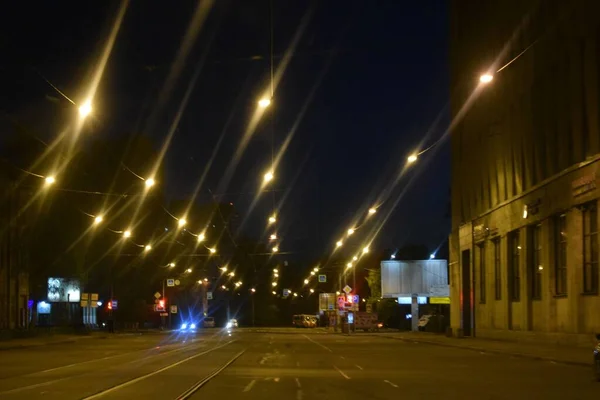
439 300
408 300
43 307
64 290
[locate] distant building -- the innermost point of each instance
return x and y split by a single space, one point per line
15 307
524 259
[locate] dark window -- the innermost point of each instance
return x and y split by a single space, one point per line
560 261
536 267
514 249
590 249
497 270
482 273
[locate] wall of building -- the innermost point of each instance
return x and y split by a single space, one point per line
530 140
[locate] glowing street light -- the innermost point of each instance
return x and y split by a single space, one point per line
354 258
312 273
486 78
147 247
350 231
232 274
205 279
253 290
127 234
312 290
188 270
268 177
412 158
275 249
212 250
181 222
264 103
274 292
276 275
306 281
85 109
98 219
149 182
49 180
365 249
349 265
172 265
224 269
295 294
201 237
315 269
372 210
432 256
339 243
273 237
275 270
273 284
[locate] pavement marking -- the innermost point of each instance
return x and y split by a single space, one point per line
298 383
297 363
319 344
158 371
359 367
342 357
298 394
249 385
392 384
341 372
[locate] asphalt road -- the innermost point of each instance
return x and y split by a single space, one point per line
281 364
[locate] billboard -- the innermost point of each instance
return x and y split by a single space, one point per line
64 290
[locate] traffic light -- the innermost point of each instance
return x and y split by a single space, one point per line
109 305
161 304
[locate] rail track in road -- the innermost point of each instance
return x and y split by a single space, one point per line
188 392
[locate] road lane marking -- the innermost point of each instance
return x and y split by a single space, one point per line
319 344
359 367
342 357
390 383
158 371
341 372
249 386
298 383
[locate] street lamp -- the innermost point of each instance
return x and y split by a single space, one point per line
339 243
149 182
412 158
201 237
372 210
306 281
272 219
486 78
273 237
172 265
365 249
273 284
349 265
268 177
264 103
212 250
188 270
148 247
98 219
127 234
49 180
312 273
354 258
85 109
350 231
253 290
181 222
312 290
275 249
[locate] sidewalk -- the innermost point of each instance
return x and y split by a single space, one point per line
572 355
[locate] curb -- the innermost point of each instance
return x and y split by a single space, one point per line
491 351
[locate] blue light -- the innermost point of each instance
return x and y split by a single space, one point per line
432 256
183 326
192 326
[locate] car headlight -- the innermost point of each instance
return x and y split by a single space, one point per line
228 325
192 326
183 326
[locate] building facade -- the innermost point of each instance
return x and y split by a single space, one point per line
524 258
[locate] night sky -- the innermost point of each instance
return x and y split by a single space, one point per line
378 71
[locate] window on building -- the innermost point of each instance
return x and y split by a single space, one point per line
536 267
590 248
497 270
560 261
481 261
514 249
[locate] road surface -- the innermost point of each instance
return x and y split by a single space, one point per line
279 364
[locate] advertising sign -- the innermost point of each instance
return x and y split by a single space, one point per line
64 290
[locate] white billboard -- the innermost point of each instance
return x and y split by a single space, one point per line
64 290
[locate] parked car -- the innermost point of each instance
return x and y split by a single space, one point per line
597 358
208 322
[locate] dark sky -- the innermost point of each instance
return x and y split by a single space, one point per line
378 70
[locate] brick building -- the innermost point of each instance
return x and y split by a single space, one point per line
524 259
